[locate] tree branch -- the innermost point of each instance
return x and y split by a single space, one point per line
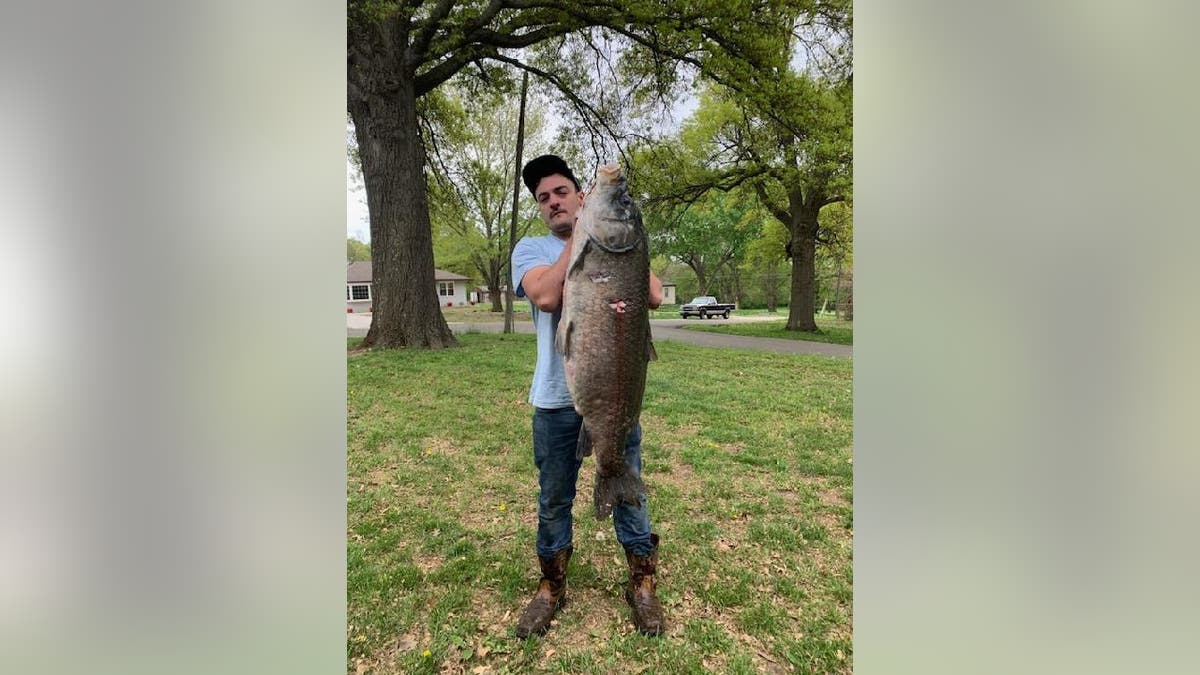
583 107
782 215
430 79
425 32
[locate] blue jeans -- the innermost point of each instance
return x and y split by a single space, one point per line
555 436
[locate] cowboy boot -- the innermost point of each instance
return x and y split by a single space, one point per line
551 595
647 612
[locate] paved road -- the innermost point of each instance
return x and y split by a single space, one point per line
662 329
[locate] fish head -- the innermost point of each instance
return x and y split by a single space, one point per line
610 217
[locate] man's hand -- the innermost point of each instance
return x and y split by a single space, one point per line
656 292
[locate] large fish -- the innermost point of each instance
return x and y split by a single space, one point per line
604 332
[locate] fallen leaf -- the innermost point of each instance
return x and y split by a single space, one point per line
840 656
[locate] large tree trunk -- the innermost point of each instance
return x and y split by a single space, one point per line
702 279
497 298
406 311
495 271
804 268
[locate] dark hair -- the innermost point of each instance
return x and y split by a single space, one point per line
546 165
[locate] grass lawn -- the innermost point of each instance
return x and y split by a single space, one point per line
482 312
748 464
832 329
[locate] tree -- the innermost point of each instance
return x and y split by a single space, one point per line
400 54
779 121
709 236
472 183
765 261
357 250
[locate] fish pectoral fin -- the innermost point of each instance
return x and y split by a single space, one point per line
584 447
578 261
651 355
562 337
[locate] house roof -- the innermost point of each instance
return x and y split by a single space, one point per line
359 272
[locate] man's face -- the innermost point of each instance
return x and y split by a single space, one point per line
559 201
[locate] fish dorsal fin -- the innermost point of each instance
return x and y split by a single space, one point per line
651 355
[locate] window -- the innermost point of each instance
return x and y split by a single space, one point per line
360 292
445 288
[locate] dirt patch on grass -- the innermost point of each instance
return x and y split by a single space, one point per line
732 448
681 476
436 445
671 438
830 496
384 659
383 475
428 563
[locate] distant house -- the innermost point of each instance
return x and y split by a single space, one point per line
668 293
481 294
451 288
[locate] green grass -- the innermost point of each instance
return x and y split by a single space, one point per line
482 313
830 329
748 464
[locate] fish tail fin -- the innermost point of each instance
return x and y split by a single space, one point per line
623 488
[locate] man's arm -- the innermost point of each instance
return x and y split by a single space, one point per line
544 284
656 292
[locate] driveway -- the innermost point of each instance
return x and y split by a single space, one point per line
661 329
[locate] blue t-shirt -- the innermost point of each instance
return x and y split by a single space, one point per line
549 388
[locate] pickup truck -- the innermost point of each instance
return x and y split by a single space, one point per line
705 306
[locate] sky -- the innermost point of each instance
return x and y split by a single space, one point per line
357 223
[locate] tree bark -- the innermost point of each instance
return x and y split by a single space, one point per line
406 311
495 272
802 307
702 279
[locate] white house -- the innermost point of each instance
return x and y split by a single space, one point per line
451 288
481 294
668 293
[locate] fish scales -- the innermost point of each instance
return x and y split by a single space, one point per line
604 332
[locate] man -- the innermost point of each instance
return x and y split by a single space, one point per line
539 266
